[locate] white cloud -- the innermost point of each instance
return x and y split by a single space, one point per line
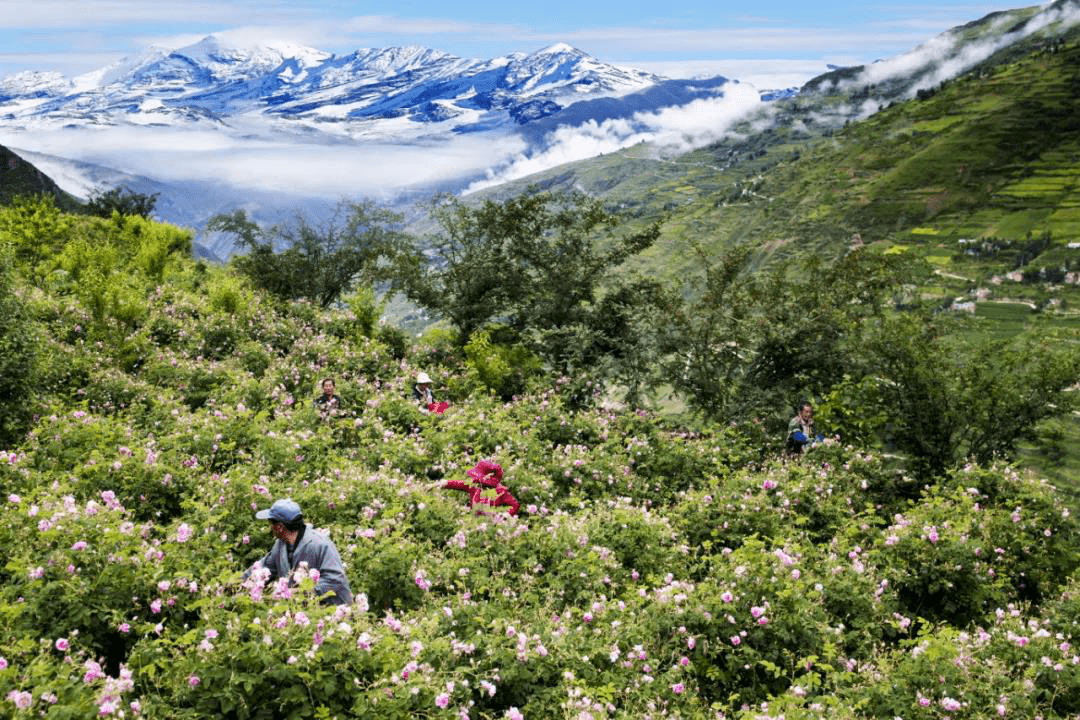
770 74
942 60
377 170
671 130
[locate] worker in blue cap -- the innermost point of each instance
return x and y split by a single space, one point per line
297 542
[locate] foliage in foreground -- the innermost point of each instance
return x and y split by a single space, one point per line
652 571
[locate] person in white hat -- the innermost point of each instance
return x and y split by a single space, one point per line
421 389
297 542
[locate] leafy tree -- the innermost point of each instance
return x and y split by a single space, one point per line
752 340
947 404
539 263
317 262
123 201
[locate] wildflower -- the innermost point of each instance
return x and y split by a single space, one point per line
678 688
79 545
184 533
442 700
22 699
514 714
193 680
950 704
62 644
93 672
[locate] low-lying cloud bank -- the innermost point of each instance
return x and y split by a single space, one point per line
671 131
366 169
939 59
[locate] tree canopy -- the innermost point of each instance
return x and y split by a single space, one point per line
539 263
320 262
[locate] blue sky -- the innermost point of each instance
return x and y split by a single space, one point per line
767 42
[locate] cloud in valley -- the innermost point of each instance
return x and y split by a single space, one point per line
375 170
671 130
939 59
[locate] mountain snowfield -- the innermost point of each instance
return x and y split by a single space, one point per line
355 97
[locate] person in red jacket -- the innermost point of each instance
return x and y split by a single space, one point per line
486 475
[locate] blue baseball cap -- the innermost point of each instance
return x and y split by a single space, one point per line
283 511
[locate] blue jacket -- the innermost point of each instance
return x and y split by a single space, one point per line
320 554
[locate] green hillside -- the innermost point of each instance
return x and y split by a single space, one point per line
991 154
918 560
151 404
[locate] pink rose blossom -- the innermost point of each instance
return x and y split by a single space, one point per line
62 644
184 533
22 699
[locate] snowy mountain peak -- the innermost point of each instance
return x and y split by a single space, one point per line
218 80
559 49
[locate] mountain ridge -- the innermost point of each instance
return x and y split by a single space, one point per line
210 80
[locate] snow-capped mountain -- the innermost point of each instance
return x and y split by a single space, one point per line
208 83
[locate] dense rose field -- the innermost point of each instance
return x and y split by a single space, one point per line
652 571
